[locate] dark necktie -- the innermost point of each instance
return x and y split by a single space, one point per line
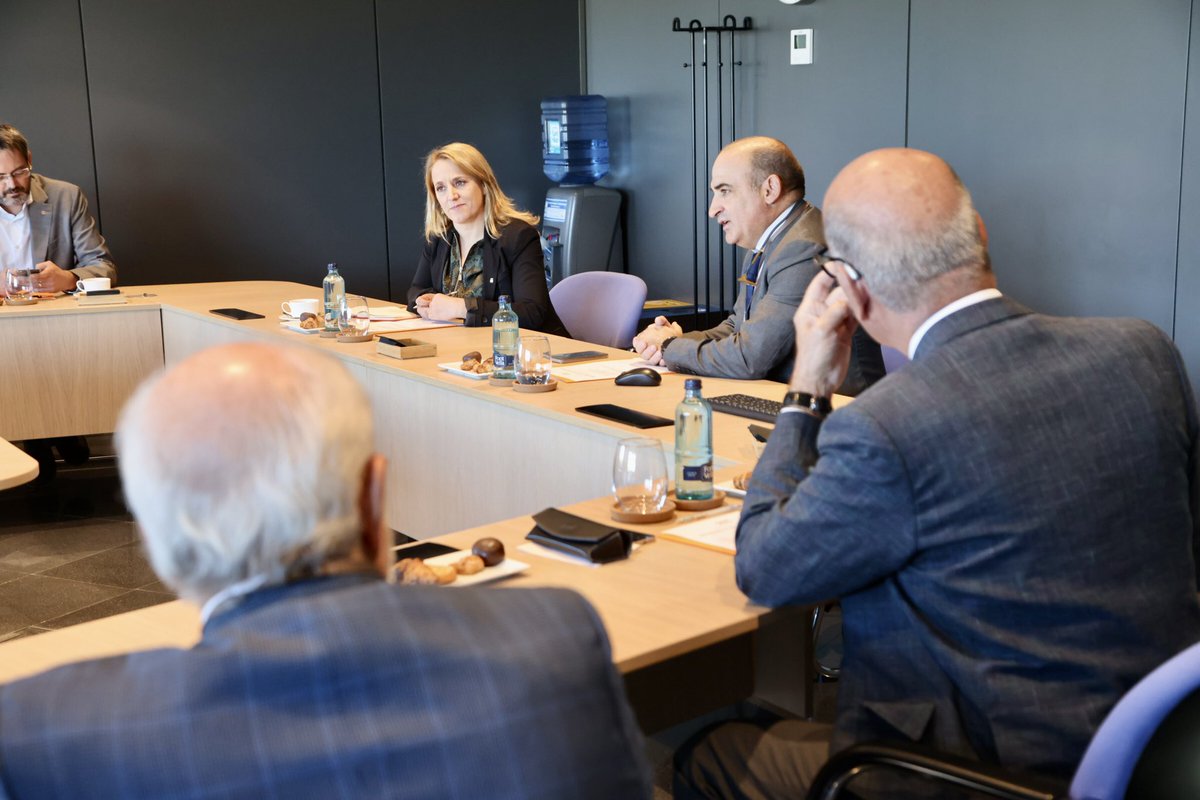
751 278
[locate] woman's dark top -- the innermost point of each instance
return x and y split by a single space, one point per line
512 265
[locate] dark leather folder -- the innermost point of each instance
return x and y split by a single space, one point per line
581 537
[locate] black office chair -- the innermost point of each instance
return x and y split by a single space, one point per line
1148 748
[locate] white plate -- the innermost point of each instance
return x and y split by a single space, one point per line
505 568
475 376
295 327
729 489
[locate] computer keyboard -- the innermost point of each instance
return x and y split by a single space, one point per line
743 405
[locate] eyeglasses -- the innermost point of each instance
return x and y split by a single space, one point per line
16 174
852 272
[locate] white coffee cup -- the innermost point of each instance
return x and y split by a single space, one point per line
93 284
294 308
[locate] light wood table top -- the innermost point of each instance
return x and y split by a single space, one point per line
444 434
449 437
667 600
732 443
16 466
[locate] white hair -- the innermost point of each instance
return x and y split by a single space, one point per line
258 476
897 260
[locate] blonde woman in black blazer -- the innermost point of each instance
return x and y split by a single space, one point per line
465 209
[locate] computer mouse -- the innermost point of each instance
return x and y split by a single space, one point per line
639 376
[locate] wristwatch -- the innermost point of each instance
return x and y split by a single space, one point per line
819 407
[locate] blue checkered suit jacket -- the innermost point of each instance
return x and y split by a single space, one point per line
1009 522
341 688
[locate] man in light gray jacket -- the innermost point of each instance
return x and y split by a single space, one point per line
758 200
45 224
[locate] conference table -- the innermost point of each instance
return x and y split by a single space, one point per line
16 467
461 452
466 459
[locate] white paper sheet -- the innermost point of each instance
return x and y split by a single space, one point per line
713 532
390 313
404 325
601 370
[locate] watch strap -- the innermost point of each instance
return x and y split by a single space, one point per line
818 406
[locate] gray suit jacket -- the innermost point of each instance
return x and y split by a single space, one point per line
762 346
63 230
341 688
1010 523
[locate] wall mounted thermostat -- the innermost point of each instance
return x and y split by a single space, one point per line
802 46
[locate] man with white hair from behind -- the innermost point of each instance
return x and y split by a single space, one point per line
250 469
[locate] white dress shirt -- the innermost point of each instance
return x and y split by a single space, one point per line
16 239
945 311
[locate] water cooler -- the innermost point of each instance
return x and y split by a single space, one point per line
581 223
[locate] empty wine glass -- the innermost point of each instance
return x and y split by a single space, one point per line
18 284
533 360
639 482
354 316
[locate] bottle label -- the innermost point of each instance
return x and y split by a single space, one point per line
700 472
505 360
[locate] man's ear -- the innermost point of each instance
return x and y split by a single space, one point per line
771 189
376 536
858 296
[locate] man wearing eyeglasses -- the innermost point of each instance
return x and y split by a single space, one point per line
1010 522
758 200
45 224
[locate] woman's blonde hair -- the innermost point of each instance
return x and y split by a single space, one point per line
498 208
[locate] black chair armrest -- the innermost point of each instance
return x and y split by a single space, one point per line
973 775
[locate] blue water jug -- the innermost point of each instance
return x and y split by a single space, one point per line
575 139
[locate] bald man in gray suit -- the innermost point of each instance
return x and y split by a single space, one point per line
1009 521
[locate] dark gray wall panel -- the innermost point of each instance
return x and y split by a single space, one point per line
636 60
849 101
471 71
43 91
238 140
1065 120
1187 295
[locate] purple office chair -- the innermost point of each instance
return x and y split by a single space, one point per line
1147 748
600 307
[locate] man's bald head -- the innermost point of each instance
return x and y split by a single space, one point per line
767 156
245 461
903 218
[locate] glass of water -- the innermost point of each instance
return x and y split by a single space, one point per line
18 284
533 360
639 482
354 316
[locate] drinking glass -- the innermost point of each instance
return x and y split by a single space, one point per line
354 316
639 482
533 360
18 284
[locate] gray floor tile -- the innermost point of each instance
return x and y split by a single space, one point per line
33 599
157 586
32 630
130 601
124 567
42 549
7 575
